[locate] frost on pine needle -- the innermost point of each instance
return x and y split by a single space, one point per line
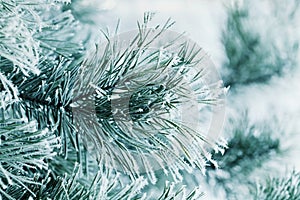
17 43
58 34
10 91
104 185
132 104
24 151
57 52
173 191
33 35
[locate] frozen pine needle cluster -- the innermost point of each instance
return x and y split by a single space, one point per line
82 124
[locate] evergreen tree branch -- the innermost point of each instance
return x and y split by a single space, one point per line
46 80
152 83
284 188
249 147
24 151
255 57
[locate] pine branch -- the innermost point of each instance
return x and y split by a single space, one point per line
24 150
252 56
104 185
285 188
249 147
41 97
47 82
152 83
34 33
17 43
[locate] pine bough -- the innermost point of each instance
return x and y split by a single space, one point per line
60 138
